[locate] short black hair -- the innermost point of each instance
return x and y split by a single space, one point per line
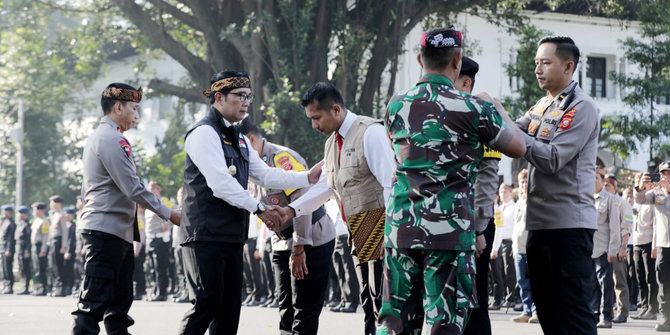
223 75
565 48
325 94
108 103
437 58
469 68
247 127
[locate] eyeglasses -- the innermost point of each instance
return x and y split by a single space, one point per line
243 97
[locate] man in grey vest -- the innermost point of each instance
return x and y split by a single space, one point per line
304 248
111 192
358 169
219 165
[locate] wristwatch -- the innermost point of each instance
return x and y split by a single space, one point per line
260 208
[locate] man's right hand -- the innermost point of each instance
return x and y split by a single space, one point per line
271 217
645 182
654 253
175 216
43 254
480 243
494 254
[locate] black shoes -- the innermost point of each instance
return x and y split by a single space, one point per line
350 309
24 292
495 306
619 319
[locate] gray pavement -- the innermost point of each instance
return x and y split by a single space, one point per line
47 316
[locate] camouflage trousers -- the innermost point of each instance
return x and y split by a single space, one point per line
435 284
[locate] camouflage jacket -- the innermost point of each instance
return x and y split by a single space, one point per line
438 136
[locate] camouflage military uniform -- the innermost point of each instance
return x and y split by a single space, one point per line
438 135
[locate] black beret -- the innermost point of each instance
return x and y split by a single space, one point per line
23 210
39 205
469 67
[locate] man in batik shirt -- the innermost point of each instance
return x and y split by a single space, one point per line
438 136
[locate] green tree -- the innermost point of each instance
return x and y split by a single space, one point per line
287 45
44 59
522 70
643 119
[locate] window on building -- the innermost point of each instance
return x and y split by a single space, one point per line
596 77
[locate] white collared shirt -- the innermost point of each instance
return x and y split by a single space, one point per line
378 154
203 146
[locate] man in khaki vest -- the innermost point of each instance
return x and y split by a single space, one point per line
358 169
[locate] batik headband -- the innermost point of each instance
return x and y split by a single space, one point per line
122 94
228 84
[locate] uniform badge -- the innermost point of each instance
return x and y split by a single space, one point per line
532 128
274 200
539 110
232 170
545 132
566 121
125 146
555 112
242 143
285 163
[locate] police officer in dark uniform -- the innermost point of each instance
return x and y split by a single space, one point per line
70 252
23 252
111 191
486 186
219 164
7 248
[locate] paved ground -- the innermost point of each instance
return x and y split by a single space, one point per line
46 316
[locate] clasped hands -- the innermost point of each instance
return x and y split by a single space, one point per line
275 216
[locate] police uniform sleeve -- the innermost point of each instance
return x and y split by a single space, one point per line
626 217
121 169
570 137
614 221
643 197
10 238
486 186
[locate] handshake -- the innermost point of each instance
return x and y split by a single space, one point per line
275 216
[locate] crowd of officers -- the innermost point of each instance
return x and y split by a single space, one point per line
631 231
44 247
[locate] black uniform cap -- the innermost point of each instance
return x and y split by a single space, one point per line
23 210
469 67
39 205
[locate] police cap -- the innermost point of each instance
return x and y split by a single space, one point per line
665 166
469 67
7 208
23 210
70 210
39 205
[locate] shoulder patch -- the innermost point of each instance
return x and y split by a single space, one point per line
125 146
287 162
566 121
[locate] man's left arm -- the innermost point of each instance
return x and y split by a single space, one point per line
379 155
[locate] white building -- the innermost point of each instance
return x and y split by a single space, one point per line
597 38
